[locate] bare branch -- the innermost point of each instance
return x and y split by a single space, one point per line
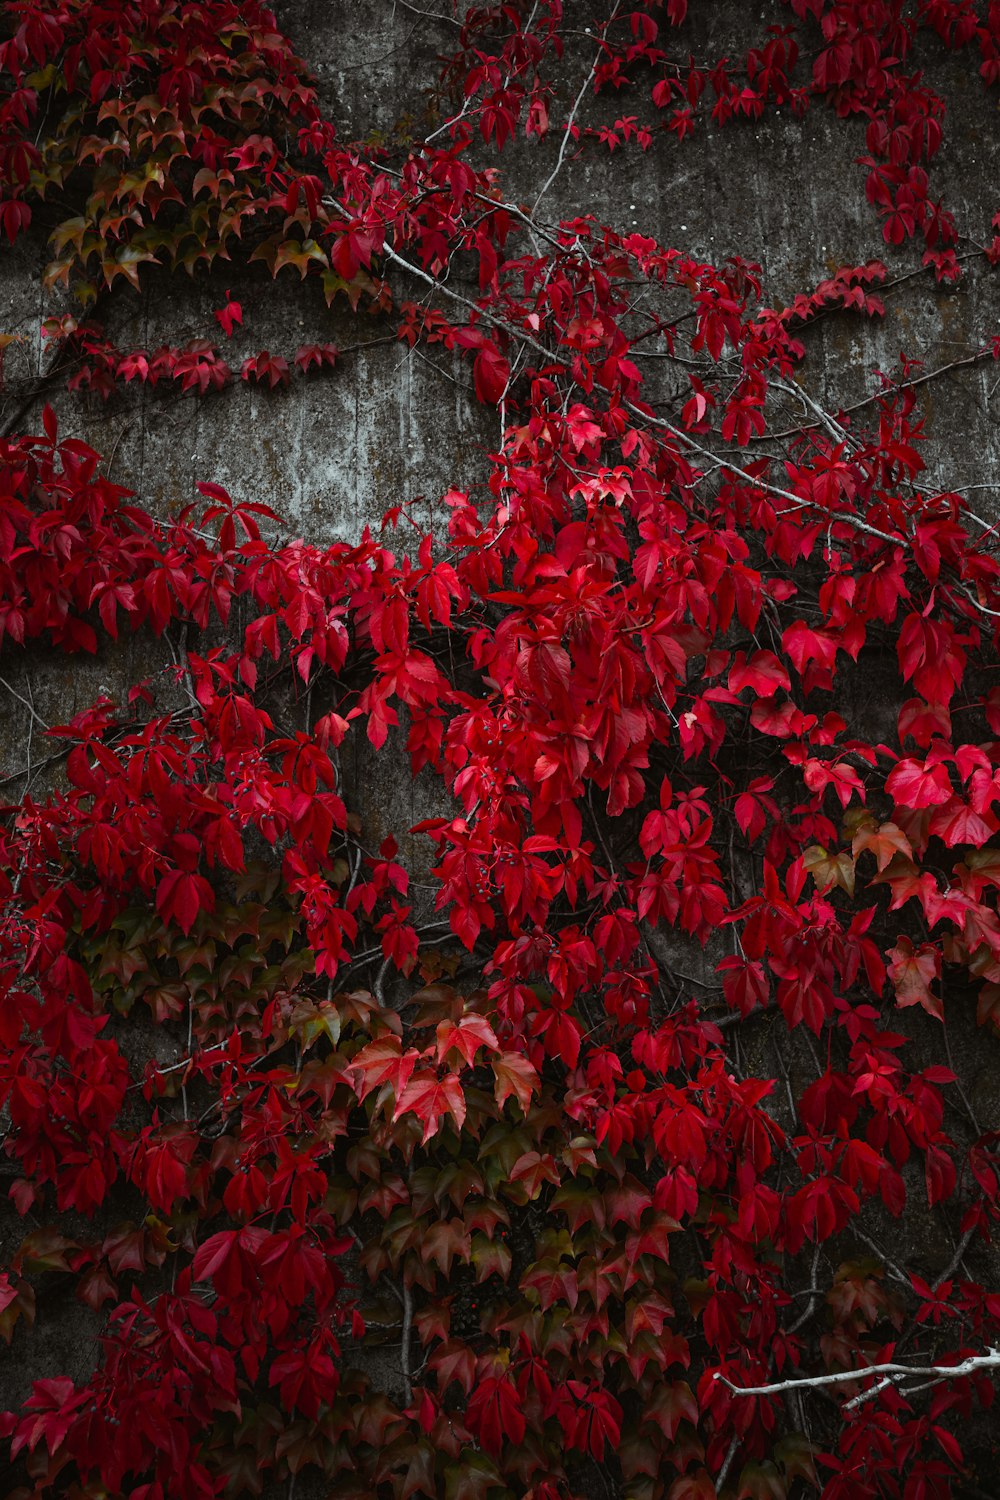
765 484
27 703
990 1361
683 437
568 127
428 15
404 1350
720 1478
902 385
953 1264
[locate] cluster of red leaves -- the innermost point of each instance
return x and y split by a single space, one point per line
99 366
583 1211
861 56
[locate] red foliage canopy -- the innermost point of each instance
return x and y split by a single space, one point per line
264 1114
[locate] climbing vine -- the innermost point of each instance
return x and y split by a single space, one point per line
271 1106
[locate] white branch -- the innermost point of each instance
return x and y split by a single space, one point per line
765 484
568 128
836 517
848 1377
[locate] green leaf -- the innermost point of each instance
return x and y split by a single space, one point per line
472 1479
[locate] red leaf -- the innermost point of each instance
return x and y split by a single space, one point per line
912 973
180 897
495 1413
515 1076
491 372
229 315
431 1098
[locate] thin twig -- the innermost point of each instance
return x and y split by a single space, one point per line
568 127
27 703
839 517
404 1348
953 1264
902 385
428 15
727 1463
